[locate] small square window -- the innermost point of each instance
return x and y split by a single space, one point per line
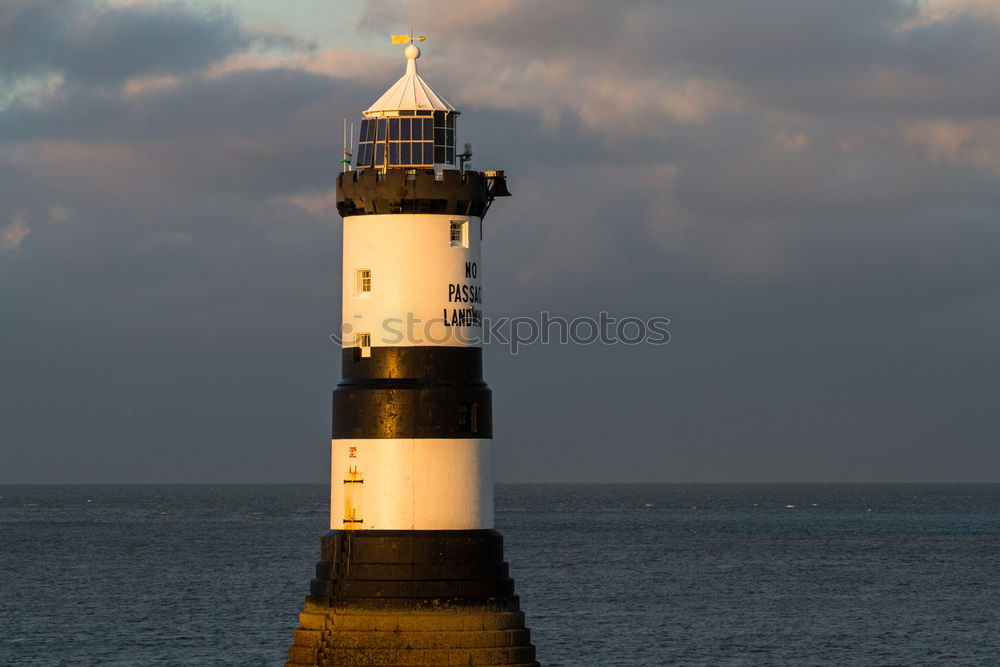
458 233
363 282
364 343
468 419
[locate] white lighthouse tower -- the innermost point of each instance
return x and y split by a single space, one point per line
412 572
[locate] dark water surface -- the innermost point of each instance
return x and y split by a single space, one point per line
608 574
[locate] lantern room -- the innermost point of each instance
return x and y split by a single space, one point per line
410 126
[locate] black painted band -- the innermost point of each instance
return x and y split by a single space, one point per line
397 409
370 192
412 392
408 569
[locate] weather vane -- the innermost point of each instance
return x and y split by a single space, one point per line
407 39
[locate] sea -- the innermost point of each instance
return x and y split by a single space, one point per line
608 574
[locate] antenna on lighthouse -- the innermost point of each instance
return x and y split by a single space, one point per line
348 147
463 158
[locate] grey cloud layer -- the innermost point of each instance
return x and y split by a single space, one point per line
813 56
112 43
808 189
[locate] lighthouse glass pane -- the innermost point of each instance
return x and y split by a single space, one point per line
450 121
439 136
428 128
439 119
379 154
404 153
404 128
439 155
428 152
451 154
380 134
394 152
394 128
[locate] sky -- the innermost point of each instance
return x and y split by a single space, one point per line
807 189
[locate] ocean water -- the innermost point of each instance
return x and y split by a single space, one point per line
627 575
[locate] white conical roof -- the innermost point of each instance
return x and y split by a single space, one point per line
411 92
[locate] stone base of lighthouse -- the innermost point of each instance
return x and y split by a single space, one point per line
408 598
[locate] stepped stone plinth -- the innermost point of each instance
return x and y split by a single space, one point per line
409 598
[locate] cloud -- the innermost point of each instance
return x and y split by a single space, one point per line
807 188
777 121
13 234
690 60
940 11
736 132
108 43
975 141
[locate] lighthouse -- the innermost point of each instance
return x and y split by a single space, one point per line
412 571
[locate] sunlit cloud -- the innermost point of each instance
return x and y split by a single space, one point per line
14 233
58 213
937 11
323 204
337 62
139 86
944 140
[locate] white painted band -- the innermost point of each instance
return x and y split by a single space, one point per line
411 484
407 282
